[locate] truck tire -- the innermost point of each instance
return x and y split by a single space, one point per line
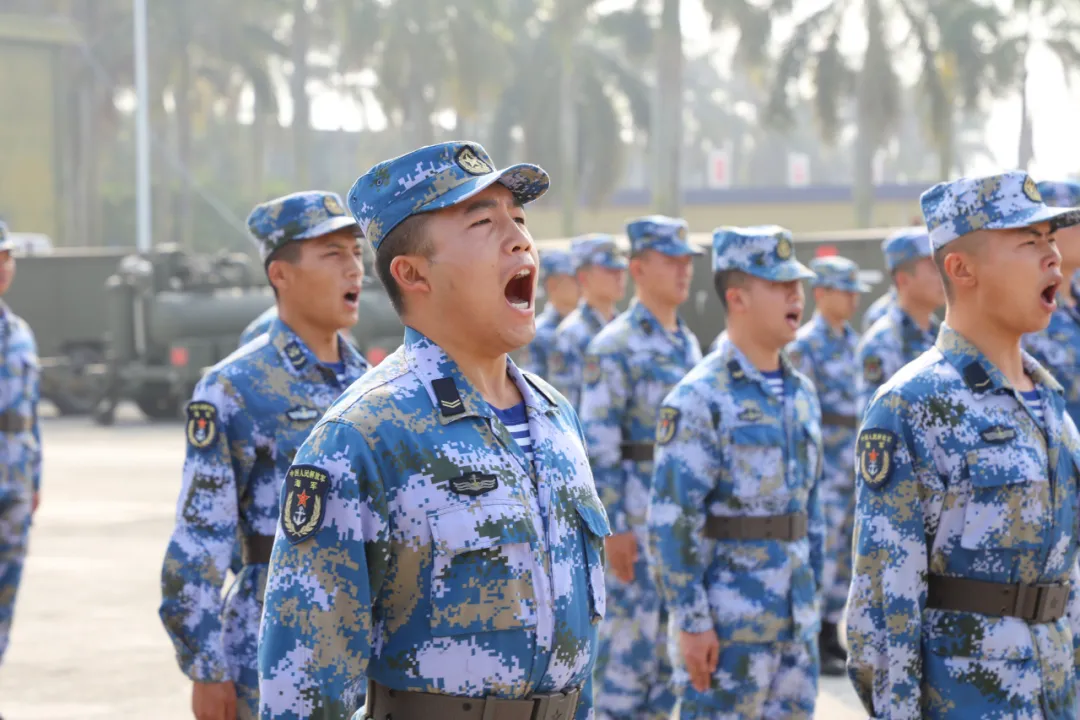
158 402
78 391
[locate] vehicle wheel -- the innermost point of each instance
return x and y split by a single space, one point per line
158 402
78 390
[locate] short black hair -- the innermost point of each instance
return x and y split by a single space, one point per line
724 279
289 253
407 238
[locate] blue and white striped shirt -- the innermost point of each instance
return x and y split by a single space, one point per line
775 378
1034 403
517 422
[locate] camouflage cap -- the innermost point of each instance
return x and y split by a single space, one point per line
994 202
1062 193
432 178
837 273
906 245
6 241
660 233
556 262
597 250
764 251
299 216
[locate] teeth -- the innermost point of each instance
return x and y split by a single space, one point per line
521 304
522 273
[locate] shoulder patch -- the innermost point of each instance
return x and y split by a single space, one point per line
998 434
202 424
872 370
591 373
876 456
667 425
304 508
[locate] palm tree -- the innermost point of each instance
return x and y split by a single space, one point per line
952 39
577 86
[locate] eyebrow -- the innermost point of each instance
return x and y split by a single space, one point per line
477 205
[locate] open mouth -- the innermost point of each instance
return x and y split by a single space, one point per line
1049 295
793 317
519 291
352 298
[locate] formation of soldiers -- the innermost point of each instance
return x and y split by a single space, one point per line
623 527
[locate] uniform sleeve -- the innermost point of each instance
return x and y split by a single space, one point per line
316 633
603 409
888 587
202 542
1073 611
869 376
562 367
799 356
34 392
686 467
536 356
816 530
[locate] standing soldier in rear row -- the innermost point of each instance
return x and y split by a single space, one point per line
20 447
561 288
246 419
824 351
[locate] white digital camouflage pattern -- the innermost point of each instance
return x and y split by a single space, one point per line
446 562
20 449
878 308
265 398
259 325
890 344
297 216
828 359
738 450
567 358
1057 348
547 322
973 488
629 368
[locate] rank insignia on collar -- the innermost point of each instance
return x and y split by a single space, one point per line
300 413
446 393
304 508
667 425
977 378
735 370
876 456
295 353
998 434
474 484
201 424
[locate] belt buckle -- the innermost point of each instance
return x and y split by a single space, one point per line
554 706
1049 603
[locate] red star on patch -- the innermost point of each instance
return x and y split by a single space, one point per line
202 423
873 456
303 497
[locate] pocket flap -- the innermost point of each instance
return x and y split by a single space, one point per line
480 525
594 517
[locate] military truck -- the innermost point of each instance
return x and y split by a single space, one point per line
703 313
171 315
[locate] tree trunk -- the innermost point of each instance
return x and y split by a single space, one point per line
568 156
183 228
1026 151
866 145
301 121
667 113
258 150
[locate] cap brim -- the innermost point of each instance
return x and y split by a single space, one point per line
338 222
784 272
858 288
680 249
526 182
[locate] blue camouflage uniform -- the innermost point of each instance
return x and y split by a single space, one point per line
966 500
629 368
878 308
552 262
437 558
259 325
1057 348
20 377
246 419
730 453
895 339
567 358
827 357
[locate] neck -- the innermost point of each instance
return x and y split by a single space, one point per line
920 315
563 308
484 371
764 357
1066 287
835 323
665 313
322 342
1001 347
605 308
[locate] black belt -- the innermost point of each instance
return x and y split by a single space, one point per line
847 421
1033 603
788 527
256 549
638 452
12 422
386 704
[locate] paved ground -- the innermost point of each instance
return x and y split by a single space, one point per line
87 642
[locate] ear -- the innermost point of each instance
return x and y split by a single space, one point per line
737 299
411 274
635 268
280 274
959 267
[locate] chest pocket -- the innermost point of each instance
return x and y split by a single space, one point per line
18 379
594 528
483 568
757 461
1009 506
